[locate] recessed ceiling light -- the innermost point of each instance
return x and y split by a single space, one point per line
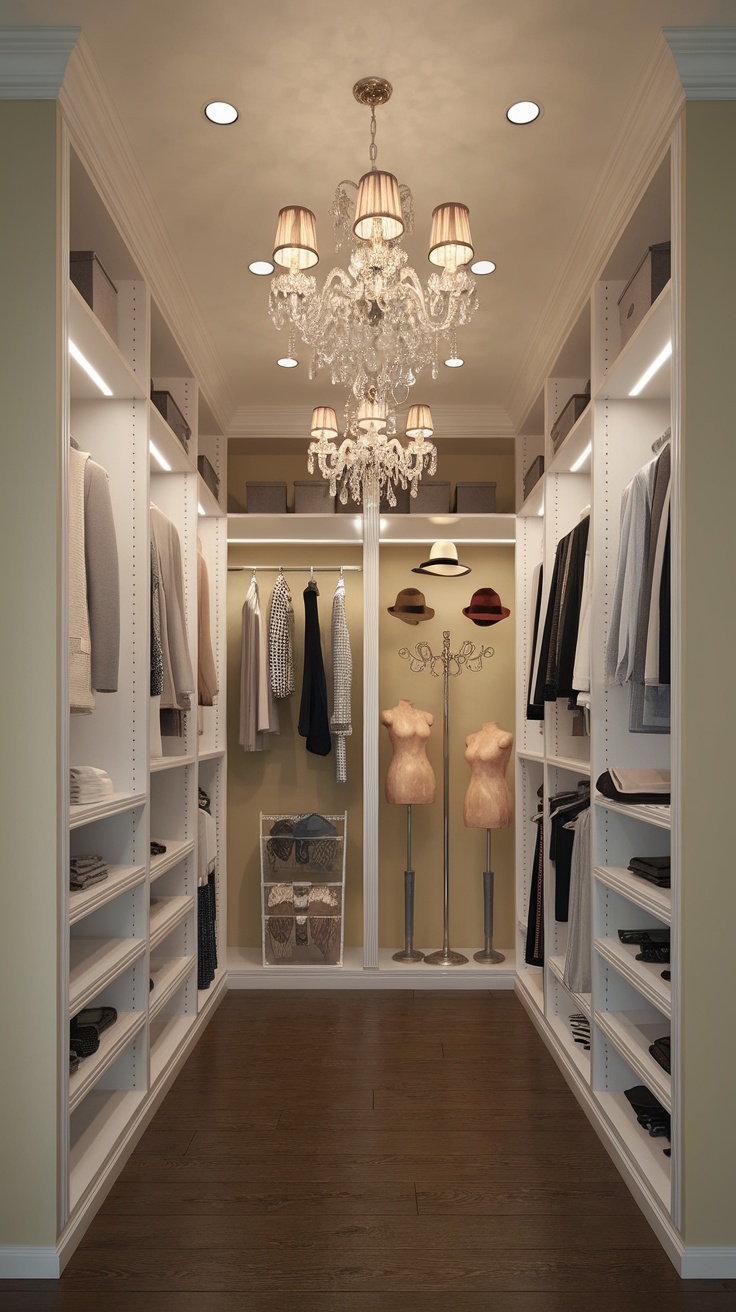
454 362
287 362
482 266
219 111
262 267
524 111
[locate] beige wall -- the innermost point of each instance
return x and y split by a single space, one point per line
287 777
30 801
473 699
708 917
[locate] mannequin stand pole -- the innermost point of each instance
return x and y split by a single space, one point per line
446 957
409 953
489 953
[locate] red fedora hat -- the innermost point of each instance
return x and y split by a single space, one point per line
485 607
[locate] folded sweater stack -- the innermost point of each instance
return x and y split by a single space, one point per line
86 870
88 784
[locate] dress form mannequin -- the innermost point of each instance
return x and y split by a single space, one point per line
410 778
487 800
488 806
409 782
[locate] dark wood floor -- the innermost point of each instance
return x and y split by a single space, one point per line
365 1151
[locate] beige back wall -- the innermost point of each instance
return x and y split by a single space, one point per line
474 698
286 777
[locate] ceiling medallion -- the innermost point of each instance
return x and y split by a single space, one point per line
373 327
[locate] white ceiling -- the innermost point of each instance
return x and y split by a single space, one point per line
290 68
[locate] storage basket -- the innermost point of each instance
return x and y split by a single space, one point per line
312 497
568 417
302 890
533 475
433 498
166 406
97 289
641 291
266 498
475 498
209 475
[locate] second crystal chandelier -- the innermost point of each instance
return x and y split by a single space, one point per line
374 326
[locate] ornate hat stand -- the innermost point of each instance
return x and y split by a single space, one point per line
446 664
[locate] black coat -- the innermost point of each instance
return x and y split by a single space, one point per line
314 720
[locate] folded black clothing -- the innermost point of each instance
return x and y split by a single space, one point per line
606 786
655 952
644 936
157 849
649 1112
660 1051
97 1018
654 863
659 881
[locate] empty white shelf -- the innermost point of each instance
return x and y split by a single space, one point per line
168 976
645 976
166 914
657 901
95 963
176 850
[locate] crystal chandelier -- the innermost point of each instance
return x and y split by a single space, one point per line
373 326
370 454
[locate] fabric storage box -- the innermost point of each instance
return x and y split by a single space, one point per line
166 406
266 498
97 289
433 498
643 288
302 940
533 475
475 498
568 417
209 475
313 498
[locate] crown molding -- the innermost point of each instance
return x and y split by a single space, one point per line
705 59
100 140
33 61
490 422
639 145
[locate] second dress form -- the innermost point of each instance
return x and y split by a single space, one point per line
410 778
488 802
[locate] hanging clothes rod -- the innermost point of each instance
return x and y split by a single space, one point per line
298 569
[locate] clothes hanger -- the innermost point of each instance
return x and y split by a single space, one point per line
312 584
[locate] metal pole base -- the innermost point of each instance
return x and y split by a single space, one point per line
489 955
448 958
408 955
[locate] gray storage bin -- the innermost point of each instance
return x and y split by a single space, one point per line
568 417
433 498
475 498
266 498
313 497
533 475
166 406
98 290
209 475
641 291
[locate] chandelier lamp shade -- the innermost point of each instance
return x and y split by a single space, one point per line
373 324
419 421
324 422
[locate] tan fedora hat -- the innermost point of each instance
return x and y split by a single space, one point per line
442 561
410 607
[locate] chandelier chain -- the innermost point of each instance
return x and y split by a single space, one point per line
373 152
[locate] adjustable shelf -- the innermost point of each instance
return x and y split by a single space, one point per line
168 976
113 1041
572 449
159 763
166 914
643 347
632 1033
167 1037
644 976
167 445
96 962
570 763
97 346
114 804
654 814
574 1052
645 1154
531 982
208 506
97 1127
581 1000
176 850
83 901
658 901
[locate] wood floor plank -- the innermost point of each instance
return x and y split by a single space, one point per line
384 1151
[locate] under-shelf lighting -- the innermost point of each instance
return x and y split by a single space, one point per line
581 459
651 371
200 509
160 461
89 369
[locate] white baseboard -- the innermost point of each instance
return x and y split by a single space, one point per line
708 1263
246 971
27 1263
